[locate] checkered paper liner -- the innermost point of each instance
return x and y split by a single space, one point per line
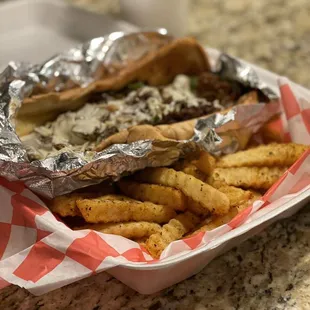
40 253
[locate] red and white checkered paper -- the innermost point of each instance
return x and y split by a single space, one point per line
40 253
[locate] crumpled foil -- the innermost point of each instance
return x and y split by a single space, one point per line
227 133
81 65
232 69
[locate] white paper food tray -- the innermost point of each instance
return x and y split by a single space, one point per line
149 279
34 30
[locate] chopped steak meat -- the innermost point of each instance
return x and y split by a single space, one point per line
212 87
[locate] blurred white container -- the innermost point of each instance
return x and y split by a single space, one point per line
169 14
34 30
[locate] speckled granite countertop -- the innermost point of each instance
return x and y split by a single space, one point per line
273 34
269 271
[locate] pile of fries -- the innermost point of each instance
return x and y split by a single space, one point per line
157 206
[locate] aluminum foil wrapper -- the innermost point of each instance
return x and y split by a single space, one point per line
232 69
227 133
81 65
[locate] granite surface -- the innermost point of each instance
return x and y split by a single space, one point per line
270 270
274 34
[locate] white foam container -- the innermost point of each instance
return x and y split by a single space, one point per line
34 30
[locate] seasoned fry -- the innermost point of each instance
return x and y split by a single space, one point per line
254 196
235 195
192 170
130 230
66 205
249 177
174 230
264 156
189 168
216 221
117 208
158 194
209 197
205 163
197 208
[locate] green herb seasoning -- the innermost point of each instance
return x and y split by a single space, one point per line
135 85
193 82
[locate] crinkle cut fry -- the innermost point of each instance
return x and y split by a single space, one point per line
65 205
174 230
190 168
117 208
235 195
158 194
254 196
205 163
196 208
270 155
216 221
249 177
209 197
130 230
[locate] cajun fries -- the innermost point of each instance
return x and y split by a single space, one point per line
249 177
205 163
117 208
264 156
254 196
130 230
196 208
216 221
174 230
157 206
190 169
235 195
66 205
209 197
158 194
